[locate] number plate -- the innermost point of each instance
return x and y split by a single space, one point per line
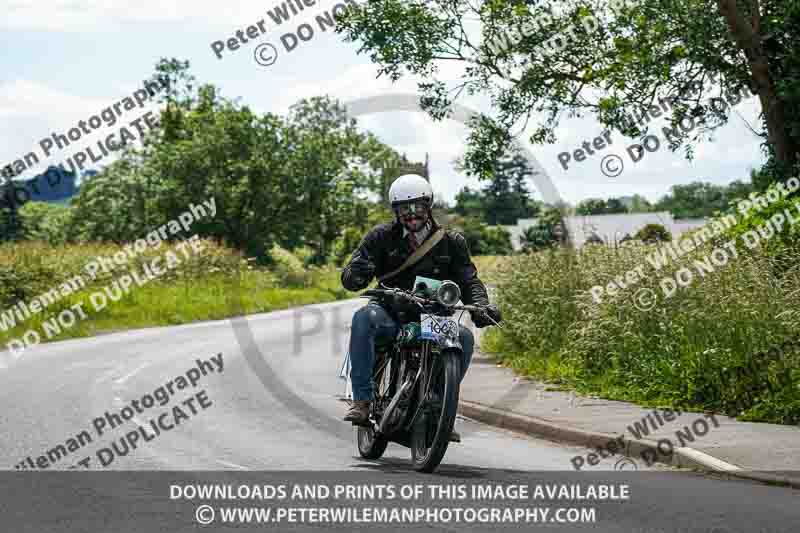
437 327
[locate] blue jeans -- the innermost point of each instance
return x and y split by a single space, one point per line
372 323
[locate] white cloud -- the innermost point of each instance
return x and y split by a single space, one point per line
32 111
24 97
77 15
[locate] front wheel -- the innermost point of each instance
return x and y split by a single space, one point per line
431 432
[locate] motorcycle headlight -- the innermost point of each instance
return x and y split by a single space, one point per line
448 294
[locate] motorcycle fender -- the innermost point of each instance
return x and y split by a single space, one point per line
446 343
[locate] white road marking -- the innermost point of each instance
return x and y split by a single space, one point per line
232 465
125 378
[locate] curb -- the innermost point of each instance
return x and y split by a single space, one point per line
681 457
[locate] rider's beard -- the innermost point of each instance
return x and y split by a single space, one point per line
414 223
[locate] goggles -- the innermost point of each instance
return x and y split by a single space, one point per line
412 208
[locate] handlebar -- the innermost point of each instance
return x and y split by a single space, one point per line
418 300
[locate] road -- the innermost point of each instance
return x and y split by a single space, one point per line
281 413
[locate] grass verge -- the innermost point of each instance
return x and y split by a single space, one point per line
199 288
726 342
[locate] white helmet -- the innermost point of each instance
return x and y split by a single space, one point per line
410 187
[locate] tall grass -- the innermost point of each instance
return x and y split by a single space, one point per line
215 283
728 342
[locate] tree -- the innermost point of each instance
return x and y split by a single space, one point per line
614 57
505 197
516 201
548 231
639 204
615 206
9 213
470 203
483 239
113 205
499 207
653 233
592 206
294 181
701 199
46 222
597 206
327 143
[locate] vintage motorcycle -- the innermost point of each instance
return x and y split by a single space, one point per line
416 376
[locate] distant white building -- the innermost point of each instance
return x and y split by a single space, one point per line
610 228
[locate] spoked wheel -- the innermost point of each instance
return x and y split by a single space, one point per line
369 445
431 432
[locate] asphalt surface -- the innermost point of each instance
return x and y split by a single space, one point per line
286 418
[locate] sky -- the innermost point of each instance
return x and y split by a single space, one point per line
66 60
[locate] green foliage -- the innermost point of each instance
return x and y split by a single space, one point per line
201 287
596 206
639 204
10 227
505 197
544 233
45 222
777 243
115 205
289 269
727 343
29 268
701 199
345 245
653 233
291 181
592 206
635 55
483 239
470 203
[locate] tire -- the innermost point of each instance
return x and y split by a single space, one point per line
369 446
449 373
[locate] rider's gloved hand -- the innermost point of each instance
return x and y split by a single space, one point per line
481 320
362 272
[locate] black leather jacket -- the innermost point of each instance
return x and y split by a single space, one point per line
387 249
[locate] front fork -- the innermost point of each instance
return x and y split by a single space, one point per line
430 364
422 381
411 383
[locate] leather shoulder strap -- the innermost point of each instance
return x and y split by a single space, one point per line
418 254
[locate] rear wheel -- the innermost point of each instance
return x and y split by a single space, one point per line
431 432
369 445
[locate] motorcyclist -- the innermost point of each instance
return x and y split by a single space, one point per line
385 248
